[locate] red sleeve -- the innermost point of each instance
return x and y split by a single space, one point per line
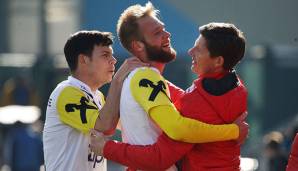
293 159
175 92
159 156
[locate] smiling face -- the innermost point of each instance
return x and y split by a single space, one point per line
156 40
202 62
100 66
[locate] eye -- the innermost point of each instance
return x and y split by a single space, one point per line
105 55
157 33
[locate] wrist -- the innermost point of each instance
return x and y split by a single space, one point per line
236 132
117 81
105 149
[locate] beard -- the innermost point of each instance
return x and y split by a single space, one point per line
157 54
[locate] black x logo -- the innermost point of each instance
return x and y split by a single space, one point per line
160 87
82 107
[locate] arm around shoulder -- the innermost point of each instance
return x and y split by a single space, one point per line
185 129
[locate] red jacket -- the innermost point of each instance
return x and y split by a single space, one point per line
198 104
293 159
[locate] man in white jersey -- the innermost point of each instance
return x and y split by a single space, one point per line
76 105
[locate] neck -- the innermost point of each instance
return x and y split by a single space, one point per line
84 78
157 65
218 73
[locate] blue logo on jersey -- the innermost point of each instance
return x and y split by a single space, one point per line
94 158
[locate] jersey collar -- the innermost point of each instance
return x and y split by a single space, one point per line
84 87
77 83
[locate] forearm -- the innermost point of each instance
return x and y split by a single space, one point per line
190 130
109 114
159 156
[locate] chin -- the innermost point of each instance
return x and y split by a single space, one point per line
109 80
194 71
173 51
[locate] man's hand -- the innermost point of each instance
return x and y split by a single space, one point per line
97 142
243 128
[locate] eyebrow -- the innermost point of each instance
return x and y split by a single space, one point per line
160 27
107 52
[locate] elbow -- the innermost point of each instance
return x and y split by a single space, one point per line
174 133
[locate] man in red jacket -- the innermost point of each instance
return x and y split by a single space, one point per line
293 159
216 97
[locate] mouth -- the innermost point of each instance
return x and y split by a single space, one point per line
193 61
166 46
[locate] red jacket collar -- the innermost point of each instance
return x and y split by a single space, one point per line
216 75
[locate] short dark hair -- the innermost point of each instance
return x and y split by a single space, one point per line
83 42
226 40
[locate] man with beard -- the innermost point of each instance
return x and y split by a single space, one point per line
146 104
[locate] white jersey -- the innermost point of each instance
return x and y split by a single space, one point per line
137 127
65 135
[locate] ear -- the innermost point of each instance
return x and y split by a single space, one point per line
83 59
219 61
137 46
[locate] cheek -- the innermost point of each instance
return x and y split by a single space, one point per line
157 42
197 60
196 63
99 68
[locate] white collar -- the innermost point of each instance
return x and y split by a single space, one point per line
84 87
81 85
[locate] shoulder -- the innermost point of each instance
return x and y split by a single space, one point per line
146 78
71 91
68 94
101 97
149 88
60 89
145 72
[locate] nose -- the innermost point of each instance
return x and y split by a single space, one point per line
190 51
113 60
168 34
